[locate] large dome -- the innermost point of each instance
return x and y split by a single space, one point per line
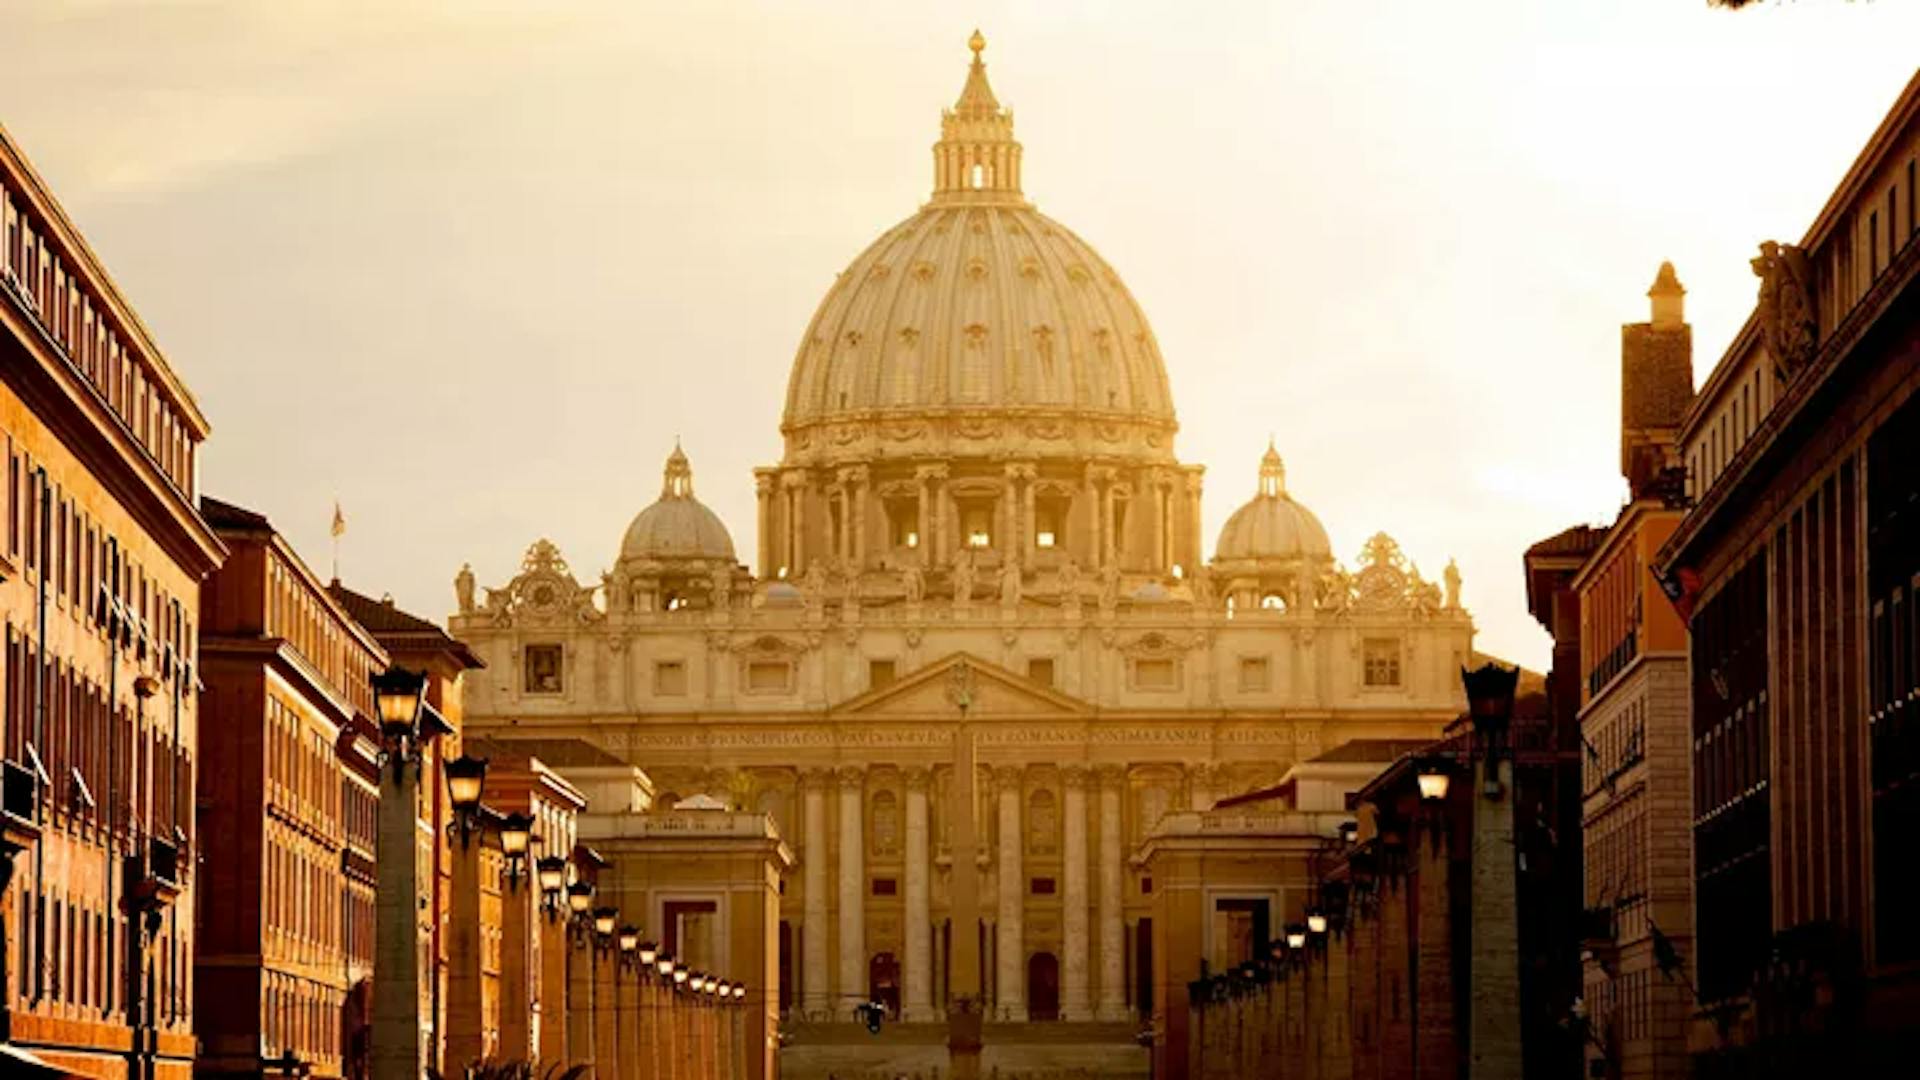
678 526
1271 526
978 304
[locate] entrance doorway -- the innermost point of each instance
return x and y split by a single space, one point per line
1043 987
883 982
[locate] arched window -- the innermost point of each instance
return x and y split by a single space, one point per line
979 177
1273 602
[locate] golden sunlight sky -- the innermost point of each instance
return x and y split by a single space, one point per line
471 266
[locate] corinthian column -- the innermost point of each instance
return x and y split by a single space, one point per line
1073 1000
816 1000
1113 991
919 1002
1010 974
853 880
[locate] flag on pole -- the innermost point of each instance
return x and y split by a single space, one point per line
339 520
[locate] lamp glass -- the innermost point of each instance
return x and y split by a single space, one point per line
553 874
664 965
466 777
1434 783
579 897
739 991
648 953
680 974
1296 939
604 919
397 694
629 939
1316 923
516 834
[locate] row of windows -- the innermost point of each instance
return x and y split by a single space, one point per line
1616 862
97 761
89 577
78 961
302 1016
303 771
544 667
1614 745
304 900
34 270
1893 723
300 616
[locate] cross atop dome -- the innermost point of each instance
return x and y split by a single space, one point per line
977 159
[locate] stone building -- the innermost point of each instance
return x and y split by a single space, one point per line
1636 794
979 471
102 551
1797 564
285 816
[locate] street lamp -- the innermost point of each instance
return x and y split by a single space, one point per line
466 777
399 696
1316 922
1296 936
1490 705
604 919
552 872
1349 831
664 966
578 900
649 952
629 941
516 836
739 991
1434 780
680 974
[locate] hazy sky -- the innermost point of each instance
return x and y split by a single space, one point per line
471 266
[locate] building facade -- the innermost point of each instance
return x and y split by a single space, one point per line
1636 794
1797 567
100 567
979 474
284 815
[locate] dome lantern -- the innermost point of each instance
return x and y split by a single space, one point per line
1273 474
977 159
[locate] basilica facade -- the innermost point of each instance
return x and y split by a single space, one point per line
979 475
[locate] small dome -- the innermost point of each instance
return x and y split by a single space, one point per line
1271 525
678 526
1151 592
784 594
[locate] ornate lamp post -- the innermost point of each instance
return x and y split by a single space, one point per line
1493 1022
398 1048
579 1006
602 954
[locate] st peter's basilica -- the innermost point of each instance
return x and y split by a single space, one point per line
979 471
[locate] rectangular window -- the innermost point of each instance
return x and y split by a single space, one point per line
1254 675
879 673
769 676
1382 660
1040 670
1155 674
543 663
670 678
1041 886
886 886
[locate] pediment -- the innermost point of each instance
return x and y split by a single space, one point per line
928 692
